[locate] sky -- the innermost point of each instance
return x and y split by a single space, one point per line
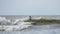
29 7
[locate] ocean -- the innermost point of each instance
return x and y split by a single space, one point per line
35 29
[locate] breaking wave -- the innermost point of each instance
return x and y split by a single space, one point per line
19 25
7 25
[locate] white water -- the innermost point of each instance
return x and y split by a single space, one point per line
45 29
21 27
8 26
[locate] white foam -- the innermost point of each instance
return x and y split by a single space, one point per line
19 26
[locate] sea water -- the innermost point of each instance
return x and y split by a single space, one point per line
44 29
37 29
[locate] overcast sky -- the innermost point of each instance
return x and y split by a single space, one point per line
29 7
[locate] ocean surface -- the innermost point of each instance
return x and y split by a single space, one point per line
36 29
44 29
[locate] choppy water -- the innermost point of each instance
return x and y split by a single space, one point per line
35 29
44 29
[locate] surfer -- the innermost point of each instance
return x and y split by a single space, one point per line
30 18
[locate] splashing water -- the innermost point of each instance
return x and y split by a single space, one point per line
21 25
18 24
